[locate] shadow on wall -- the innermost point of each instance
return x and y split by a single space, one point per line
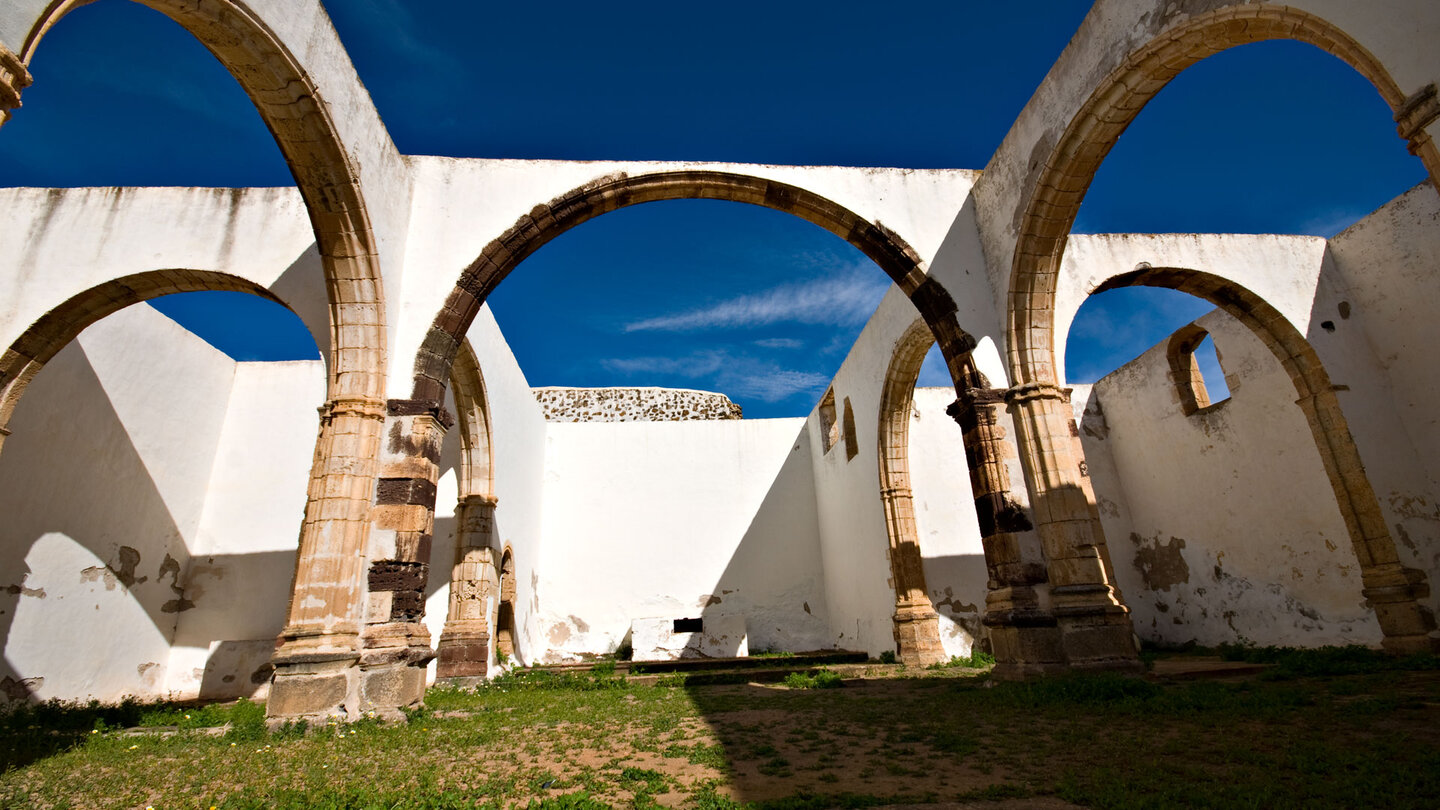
775 579
93 553
90 542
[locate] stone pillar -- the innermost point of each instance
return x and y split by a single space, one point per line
14 77
1095 631
1024 637
916 624
464 651
394 642
1394 592
317 654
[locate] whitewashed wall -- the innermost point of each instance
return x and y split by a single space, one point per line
243 558
1388 262
679 520
102 486
1222 525
945 520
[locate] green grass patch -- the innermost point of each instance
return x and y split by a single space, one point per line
820 679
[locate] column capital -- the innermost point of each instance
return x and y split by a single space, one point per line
1028 392
1419 110
972 397
14 77
479 500
361 407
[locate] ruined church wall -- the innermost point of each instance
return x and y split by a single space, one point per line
854 539
672 520
104 483
1388 260
1300 278
1222 524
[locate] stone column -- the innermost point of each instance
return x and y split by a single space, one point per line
464 652
916 624
394 642
1023 634
14 77
1095 631
318 651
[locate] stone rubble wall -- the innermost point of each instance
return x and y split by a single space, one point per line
633 405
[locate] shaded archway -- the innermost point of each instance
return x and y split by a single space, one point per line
1390 588
917 631
1069 527
464 650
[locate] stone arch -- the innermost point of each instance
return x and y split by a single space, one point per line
896 258
463 653
917 626
1022 627
1094 130
1390 588
322 634
1095 626
505 613
24 358
477 459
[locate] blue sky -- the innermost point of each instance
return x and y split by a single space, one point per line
1275 137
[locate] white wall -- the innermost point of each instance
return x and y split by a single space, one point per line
1229 531
680 520
103 487
1388 261
945 520
854 540
243 558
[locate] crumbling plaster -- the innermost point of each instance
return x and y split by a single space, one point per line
1222 524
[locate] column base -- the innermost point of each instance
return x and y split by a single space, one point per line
1394 593
1025 646
463 655
1098 637
315 675
917 636
314 687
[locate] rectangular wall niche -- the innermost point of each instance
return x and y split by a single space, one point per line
689 626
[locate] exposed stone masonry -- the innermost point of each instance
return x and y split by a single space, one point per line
633 405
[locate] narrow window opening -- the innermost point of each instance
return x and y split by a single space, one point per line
1196 371
829 429
689 626
852 445
1212 374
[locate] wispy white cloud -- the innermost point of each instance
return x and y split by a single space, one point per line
780 343
841 299
736 375
778 385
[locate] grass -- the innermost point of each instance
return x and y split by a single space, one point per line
1322 728
820 679
977 659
